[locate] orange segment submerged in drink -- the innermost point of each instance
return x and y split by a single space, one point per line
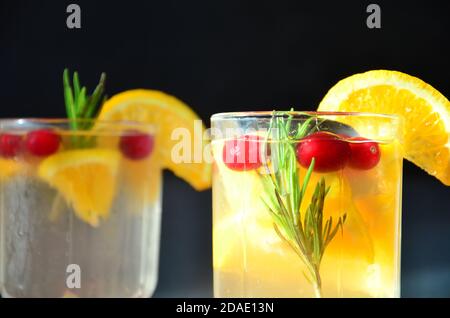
8 167
85 178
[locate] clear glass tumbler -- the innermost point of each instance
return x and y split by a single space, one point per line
306 204
80 208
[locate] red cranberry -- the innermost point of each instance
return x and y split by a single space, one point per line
42 142
136 145
10 145
243 153
330 153
365 154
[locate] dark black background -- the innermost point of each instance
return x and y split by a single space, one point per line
234 56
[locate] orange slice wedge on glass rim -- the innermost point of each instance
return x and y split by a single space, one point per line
425 112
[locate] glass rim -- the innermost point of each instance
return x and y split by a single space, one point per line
268 114
67 124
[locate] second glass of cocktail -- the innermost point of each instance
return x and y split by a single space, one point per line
80 198
80 208
306 204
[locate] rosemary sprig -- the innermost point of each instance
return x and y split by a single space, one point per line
81 106
307 233
78 104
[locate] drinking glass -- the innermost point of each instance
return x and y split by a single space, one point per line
80 209
306 204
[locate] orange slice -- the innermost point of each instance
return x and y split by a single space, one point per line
85 178
425 111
